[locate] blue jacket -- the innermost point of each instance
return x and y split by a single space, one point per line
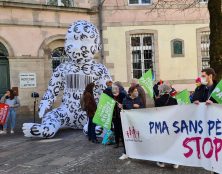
128 102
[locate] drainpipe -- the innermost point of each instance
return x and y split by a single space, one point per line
100 9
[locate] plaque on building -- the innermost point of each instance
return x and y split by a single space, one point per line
27 80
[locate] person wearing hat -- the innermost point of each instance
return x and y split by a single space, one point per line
165 99
198 81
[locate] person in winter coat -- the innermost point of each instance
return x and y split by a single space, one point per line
13 102
108 90
133 100
118 96
202 93
165 99
141 92
90 108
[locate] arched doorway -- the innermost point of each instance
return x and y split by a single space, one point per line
4 70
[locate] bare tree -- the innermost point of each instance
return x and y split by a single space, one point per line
214 8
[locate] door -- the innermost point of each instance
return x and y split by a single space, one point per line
4 70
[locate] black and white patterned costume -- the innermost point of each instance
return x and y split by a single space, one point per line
82 42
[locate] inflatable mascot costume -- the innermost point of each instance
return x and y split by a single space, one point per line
81 44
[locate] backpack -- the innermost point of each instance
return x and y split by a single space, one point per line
108 138
82 103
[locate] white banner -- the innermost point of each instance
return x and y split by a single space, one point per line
188 135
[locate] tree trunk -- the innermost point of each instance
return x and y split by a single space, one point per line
214 7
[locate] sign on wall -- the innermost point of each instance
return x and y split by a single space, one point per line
188 135
27 80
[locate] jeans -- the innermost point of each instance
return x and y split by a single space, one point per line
11 118
91 129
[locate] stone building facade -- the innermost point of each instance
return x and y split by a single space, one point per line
137 35
31 43
171 38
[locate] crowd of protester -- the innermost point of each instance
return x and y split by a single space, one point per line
134 98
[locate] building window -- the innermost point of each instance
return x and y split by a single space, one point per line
65 3
142 54
139 2
205 46
58 56
177 48
203 1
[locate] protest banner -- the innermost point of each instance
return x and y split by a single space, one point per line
104 112
183 97
189 135
147 82
3 113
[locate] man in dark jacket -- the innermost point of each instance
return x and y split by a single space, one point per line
208 83
202 93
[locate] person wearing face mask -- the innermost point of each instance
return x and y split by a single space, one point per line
118 96
141 91
131 101
208 83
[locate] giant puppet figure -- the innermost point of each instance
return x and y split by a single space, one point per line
81 44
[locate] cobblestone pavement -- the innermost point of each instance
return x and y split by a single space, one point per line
70 152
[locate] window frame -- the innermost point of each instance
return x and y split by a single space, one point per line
203 2
205 49
142 48
62 58
172 48
140 3
57 5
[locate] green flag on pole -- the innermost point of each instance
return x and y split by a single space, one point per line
147 82
183 97
104 112
217 93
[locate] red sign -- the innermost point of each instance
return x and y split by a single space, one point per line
3 113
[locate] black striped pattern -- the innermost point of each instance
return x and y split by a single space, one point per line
77 81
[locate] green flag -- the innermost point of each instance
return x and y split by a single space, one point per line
217 93
183 97
147 82
104 112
